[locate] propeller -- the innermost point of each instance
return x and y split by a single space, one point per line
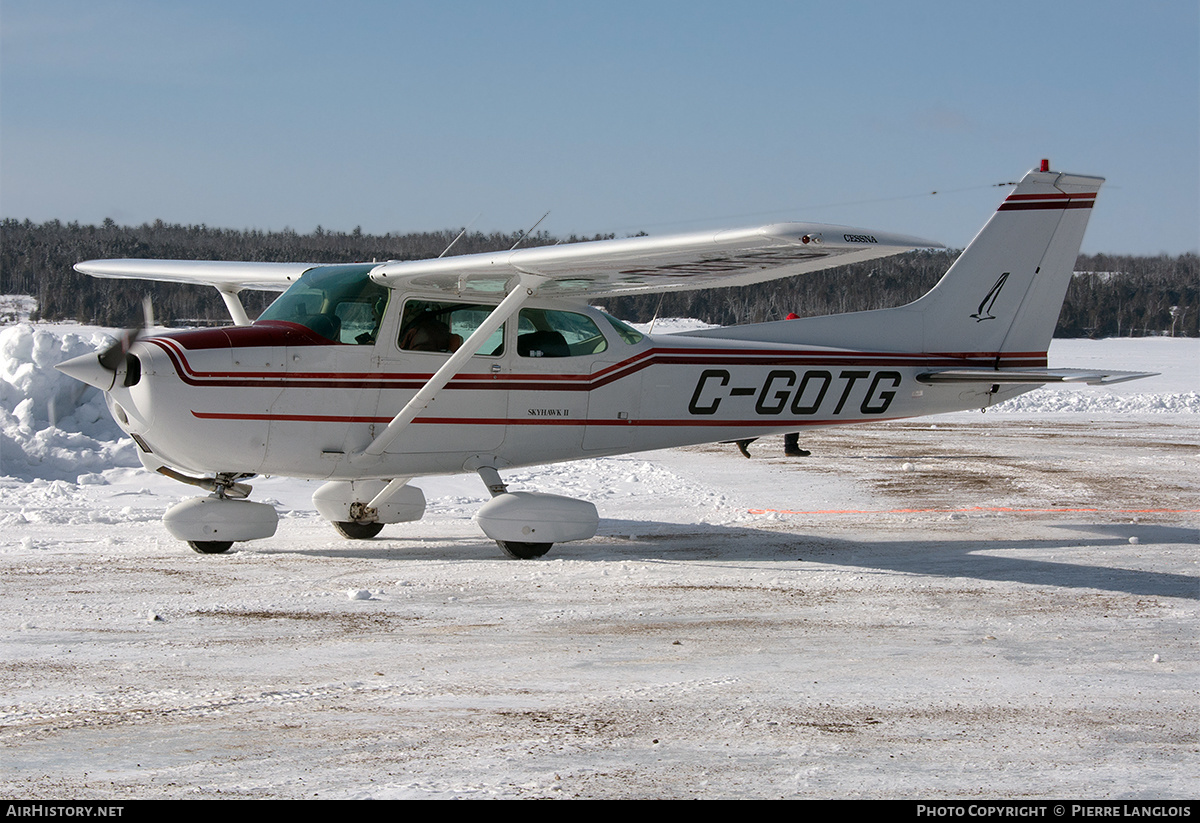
100 369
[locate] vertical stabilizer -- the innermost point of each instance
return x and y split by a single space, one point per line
1004 293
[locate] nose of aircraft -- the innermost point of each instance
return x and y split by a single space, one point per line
87 368
100 369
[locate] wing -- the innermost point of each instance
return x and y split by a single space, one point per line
227 277
220 274
600 268
655 264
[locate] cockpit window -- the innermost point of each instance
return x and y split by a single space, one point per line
548 333
430 325
340 303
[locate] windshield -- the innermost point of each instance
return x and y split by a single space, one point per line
340 303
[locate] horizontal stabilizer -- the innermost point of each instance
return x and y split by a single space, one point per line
1088 376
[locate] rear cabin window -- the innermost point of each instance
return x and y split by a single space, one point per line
549 333
626 332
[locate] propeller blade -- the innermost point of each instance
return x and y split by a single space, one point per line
114 355
84 367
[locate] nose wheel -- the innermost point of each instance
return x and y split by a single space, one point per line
211 525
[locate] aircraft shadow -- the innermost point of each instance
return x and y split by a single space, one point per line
653 541
932 556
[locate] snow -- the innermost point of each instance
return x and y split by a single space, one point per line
1175 389
962 606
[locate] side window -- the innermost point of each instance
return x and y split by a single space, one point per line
429 325
547 333
360 320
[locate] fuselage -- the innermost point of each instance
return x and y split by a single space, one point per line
561 382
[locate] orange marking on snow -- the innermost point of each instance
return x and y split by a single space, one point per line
1008 509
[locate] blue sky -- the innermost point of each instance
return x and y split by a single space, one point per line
617 117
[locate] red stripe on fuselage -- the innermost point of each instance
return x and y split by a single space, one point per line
587 382
530 421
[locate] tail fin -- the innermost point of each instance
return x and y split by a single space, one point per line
1003 294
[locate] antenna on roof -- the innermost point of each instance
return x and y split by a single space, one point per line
525 234
460 234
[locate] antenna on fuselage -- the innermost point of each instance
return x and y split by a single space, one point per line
657 309
525 234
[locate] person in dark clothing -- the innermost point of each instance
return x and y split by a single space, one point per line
791 446
791 442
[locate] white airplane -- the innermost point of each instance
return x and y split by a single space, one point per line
370 375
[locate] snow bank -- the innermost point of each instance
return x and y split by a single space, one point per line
672 325
53 427
1098 401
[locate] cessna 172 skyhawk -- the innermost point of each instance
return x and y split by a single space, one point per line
369 375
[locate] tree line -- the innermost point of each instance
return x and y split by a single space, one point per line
1110 295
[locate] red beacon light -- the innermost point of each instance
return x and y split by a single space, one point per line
1045 164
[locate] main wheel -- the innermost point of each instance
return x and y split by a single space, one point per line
211 546
358 531
524 551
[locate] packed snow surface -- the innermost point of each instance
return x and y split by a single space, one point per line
960 606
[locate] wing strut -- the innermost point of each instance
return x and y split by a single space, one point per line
526 286
229 293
